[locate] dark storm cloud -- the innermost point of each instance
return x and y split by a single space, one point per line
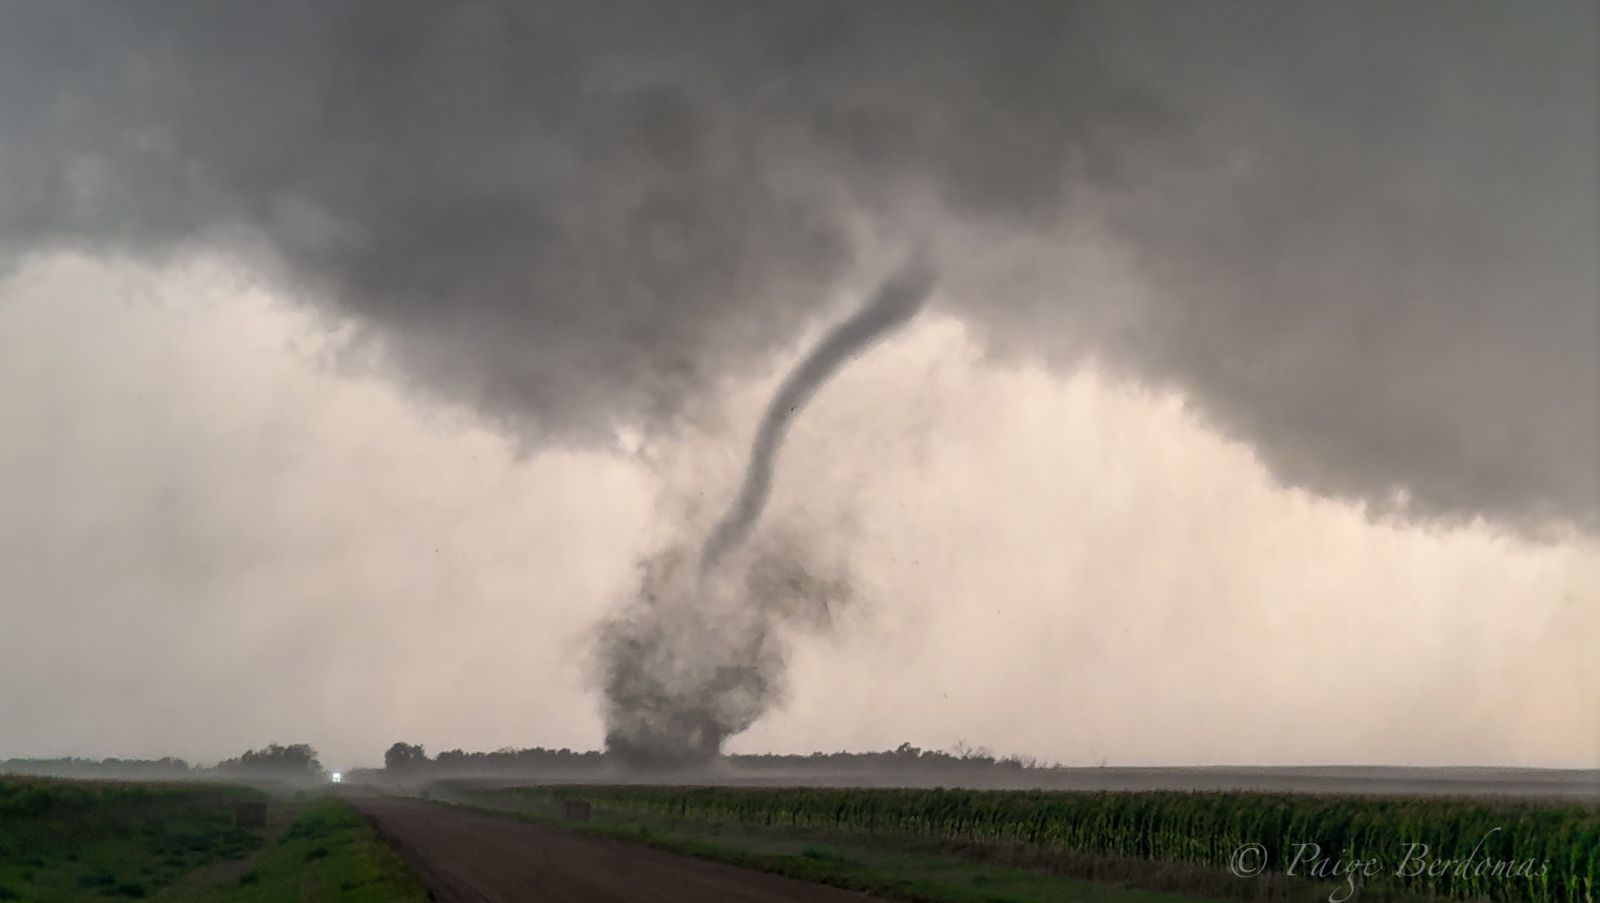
1387 274
1367 231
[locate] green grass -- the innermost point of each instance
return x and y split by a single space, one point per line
71 841
329 855
76 841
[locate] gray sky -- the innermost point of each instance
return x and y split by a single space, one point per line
351 360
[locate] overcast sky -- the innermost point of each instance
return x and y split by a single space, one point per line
353 358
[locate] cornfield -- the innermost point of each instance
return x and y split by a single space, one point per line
1496 850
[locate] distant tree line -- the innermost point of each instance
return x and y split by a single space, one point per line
72 767
410 760
410 757
962 757
296 763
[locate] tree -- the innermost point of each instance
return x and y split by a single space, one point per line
298 761
404 756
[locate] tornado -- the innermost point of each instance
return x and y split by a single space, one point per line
895 303
697 655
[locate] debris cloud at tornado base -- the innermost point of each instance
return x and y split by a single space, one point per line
698 655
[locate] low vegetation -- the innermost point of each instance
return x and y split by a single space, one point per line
70 841
1534 851
328 855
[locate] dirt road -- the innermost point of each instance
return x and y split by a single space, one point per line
471 857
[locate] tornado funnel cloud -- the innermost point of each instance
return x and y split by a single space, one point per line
895 302
697 655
